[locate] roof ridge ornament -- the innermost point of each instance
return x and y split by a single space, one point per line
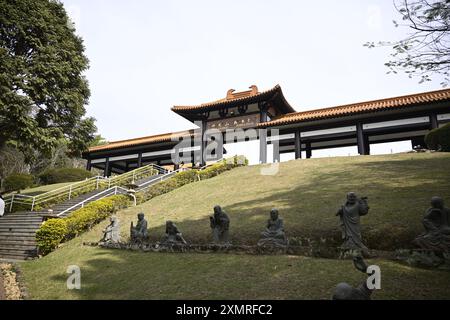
231 95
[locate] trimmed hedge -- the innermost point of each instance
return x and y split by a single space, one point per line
439 138
18 181
55 231
51 233
64 175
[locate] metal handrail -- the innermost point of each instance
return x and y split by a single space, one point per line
148 184
69 189
115 188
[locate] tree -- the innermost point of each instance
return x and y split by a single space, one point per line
42 88
98 141
426 49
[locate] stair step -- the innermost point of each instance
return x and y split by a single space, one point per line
30 242
20 223
25 228
9 235
16 240
18 255
18 251
17 247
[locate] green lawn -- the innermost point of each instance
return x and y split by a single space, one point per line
307 193
42 189
114 274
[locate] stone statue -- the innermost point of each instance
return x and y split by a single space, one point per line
139 233
344 291
274 234
220 224
112 232
349 215
173 235
437 227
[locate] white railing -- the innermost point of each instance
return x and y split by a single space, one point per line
114 189
81 187
102 194
148 184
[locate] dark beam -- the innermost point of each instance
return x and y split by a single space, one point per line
106 171
88 165
434 121
298 145
361 140
139 162
308 149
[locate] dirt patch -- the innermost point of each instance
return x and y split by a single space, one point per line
9 285
2 289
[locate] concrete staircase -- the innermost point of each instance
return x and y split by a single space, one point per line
18 229
17 235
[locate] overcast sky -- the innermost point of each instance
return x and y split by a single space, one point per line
146 56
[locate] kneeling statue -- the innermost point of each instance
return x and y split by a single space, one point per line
274 234
220 224
437 227
139 233
173 235
111 233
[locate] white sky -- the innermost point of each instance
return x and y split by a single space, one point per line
146 56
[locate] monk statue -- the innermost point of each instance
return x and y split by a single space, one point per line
112 232
139 233
274 234
349 215
173 235
344 291
220 224
437 227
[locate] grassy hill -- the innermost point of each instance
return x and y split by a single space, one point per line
307 194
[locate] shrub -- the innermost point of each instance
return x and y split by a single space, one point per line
51 233
85 218
439 138
59 175
55 231
18 181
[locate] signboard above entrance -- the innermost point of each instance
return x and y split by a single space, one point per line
242 122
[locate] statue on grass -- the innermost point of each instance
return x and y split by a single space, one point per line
220 224
139 233
344 291
173 235
437 228
111 234
350 214
274 234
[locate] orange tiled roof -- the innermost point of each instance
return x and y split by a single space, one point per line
231 96
143 140
360 107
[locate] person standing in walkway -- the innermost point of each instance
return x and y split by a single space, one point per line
2 206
